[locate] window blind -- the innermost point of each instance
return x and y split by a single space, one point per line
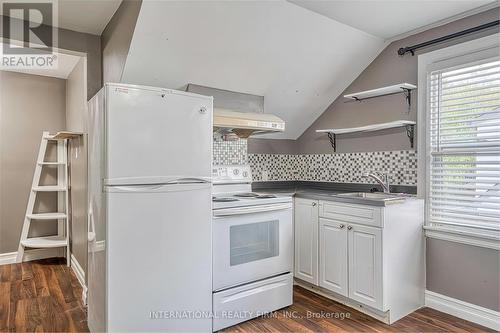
463 183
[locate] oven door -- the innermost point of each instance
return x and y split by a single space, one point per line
251 243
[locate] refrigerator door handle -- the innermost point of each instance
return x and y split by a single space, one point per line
189 180
157 180
171 186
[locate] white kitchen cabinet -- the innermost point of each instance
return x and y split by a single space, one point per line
333 256
368 257
353 213
365 264
306 240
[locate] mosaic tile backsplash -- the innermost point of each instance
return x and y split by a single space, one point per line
230 152
401 165
340 168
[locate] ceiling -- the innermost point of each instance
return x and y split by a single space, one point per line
89 16
299 54
298 60
65 65
387 19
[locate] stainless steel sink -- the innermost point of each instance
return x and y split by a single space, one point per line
372 196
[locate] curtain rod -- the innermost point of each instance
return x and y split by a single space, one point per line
411 49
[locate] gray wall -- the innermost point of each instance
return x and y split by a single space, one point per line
84 43
271 146
468 273
29 104
91 46
76 120
116 39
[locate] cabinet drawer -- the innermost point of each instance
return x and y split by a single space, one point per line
235 305
361 214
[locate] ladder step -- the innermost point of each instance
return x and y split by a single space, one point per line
63 135
45 242
46 216
53 138
50 188
51 163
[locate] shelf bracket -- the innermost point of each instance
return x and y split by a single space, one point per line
333 139
407 93
410 132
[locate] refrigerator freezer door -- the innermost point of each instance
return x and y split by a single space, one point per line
159 258
157 133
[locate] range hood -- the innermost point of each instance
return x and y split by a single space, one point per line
239 113
244 124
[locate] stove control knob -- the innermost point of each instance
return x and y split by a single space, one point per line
245 174
236 172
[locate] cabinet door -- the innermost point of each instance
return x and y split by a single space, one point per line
306 240
365 264
333 256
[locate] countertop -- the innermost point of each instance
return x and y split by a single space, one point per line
330 195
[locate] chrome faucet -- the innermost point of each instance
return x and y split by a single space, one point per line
383 181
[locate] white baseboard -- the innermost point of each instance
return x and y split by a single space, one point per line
464 310
80 275
30 255
8 258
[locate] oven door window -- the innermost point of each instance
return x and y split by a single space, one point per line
253 241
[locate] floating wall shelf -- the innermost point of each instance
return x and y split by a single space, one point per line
409 125
401 88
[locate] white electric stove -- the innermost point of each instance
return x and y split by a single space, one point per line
232 187
252 248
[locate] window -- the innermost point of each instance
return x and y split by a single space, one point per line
460 161
464 146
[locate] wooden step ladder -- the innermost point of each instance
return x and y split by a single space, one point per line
61 240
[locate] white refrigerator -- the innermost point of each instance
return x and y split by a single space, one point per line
150 243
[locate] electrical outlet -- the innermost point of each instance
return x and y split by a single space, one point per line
264 175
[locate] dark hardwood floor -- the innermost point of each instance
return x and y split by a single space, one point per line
314 313
45 296
41 296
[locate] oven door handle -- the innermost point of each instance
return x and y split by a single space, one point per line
250 210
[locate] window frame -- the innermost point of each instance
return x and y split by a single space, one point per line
474 51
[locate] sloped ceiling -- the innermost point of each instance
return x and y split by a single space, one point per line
298 60
86 15
387 18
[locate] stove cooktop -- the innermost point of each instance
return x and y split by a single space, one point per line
246 195
241 196
227 200
215 199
